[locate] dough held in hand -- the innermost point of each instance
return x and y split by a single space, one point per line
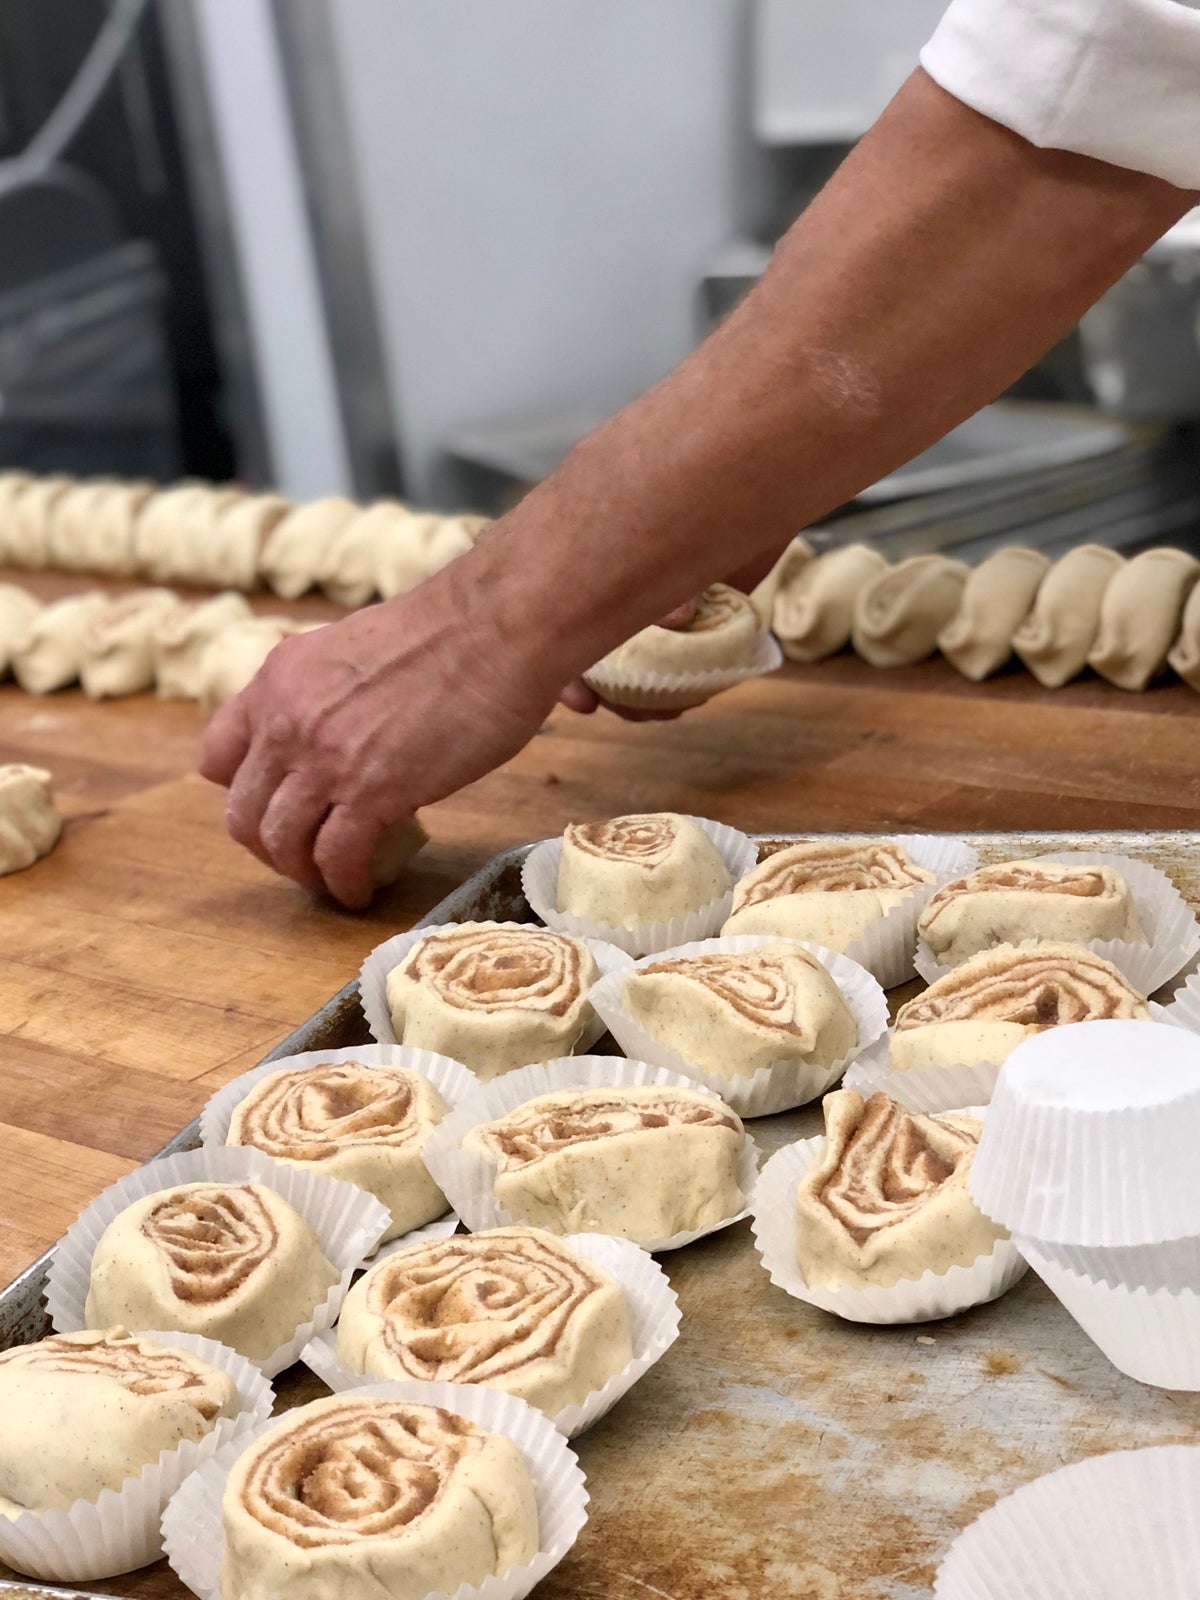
233 656
996 598
900 613
118 643
412 546
1018 900
85 1411
828 891
724 636
229 1261
357 1498
1056 636
1140 617
18 609
181 636
514 1309
298 545
814 606
50 654
1184 656
888 1199
30 825
635 870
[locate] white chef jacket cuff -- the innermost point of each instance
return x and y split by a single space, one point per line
1115 79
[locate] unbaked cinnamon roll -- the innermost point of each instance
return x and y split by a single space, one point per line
364 1124
722 635
641 1163
888 1199
828 891
229 1261
633 870
492 996
510 1308
358 1498
84 1411
30 825
984 1009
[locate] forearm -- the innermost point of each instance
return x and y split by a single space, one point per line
945 256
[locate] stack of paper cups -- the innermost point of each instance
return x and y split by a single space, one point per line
1089 1158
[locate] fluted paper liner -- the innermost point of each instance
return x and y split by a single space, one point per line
1169 923
119 1530
888 947
781 1085
467 1179
1184 1008
454 1082
194 1533
347 1221
653 1321
1121 1526
372 979
539 881
678 691
928 1089
923 1299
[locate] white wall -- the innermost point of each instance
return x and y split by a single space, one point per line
544 182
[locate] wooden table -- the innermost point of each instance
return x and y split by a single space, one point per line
149 959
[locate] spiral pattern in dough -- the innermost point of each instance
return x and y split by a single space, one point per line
311 1113
762 986
642 841
719 607
212 1238
136 1363
830 866
1038 987
480 968
542 1127
1082 883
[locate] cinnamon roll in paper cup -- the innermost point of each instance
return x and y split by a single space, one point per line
274 1531
116 1529
705 1165
210 1242
517 1296
743 998
350 1114
649 844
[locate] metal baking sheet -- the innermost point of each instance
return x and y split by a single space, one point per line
777 1453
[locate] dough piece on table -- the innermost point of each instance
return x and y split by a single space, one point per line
888 1200
640 869
50 654
900 613
363 1124
1184 656
732 1014
298 546
493 997
414 546
233 656
228 557
118 643
643 1164
510 1308
1056 636
18 608
173 534
354 1498
828 891
228 1261
1140 616
1017 900
996 598
181 637
12 486
31 509
30 825
984 1009
84 1411
790 564
813 615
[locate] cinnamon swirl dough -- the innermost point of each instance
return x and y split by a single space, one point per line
828 891
996 598
417 544
49 655
118 643
364 1124
509 1308
236 538
84 1411
1056 636
27 540
18 609
814 607
732 1014
984 1009
888 1199
643 1164
723 635
228 1261
297 546
232 657
181 636
900 613
493 997
30 825
639 869
362 1498
1019 900
1140 616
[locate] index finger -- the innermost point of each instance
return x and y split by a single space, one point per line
224 743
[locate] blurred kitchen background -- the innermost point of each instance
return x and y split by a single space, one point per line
398 247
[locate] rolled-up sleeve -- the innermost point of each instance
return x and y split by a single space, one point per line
1115 79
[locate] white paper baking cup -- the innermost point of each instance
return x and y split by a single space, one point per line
539 881
194 1532
347 1221
653 1318
454 1082
678 691
888 947
467 1179
922 1299
927 1089
778 1087
1183 1011
119 1530
372 979
1169 923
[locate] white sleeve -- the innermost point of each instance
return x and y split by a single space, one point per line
1116 79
